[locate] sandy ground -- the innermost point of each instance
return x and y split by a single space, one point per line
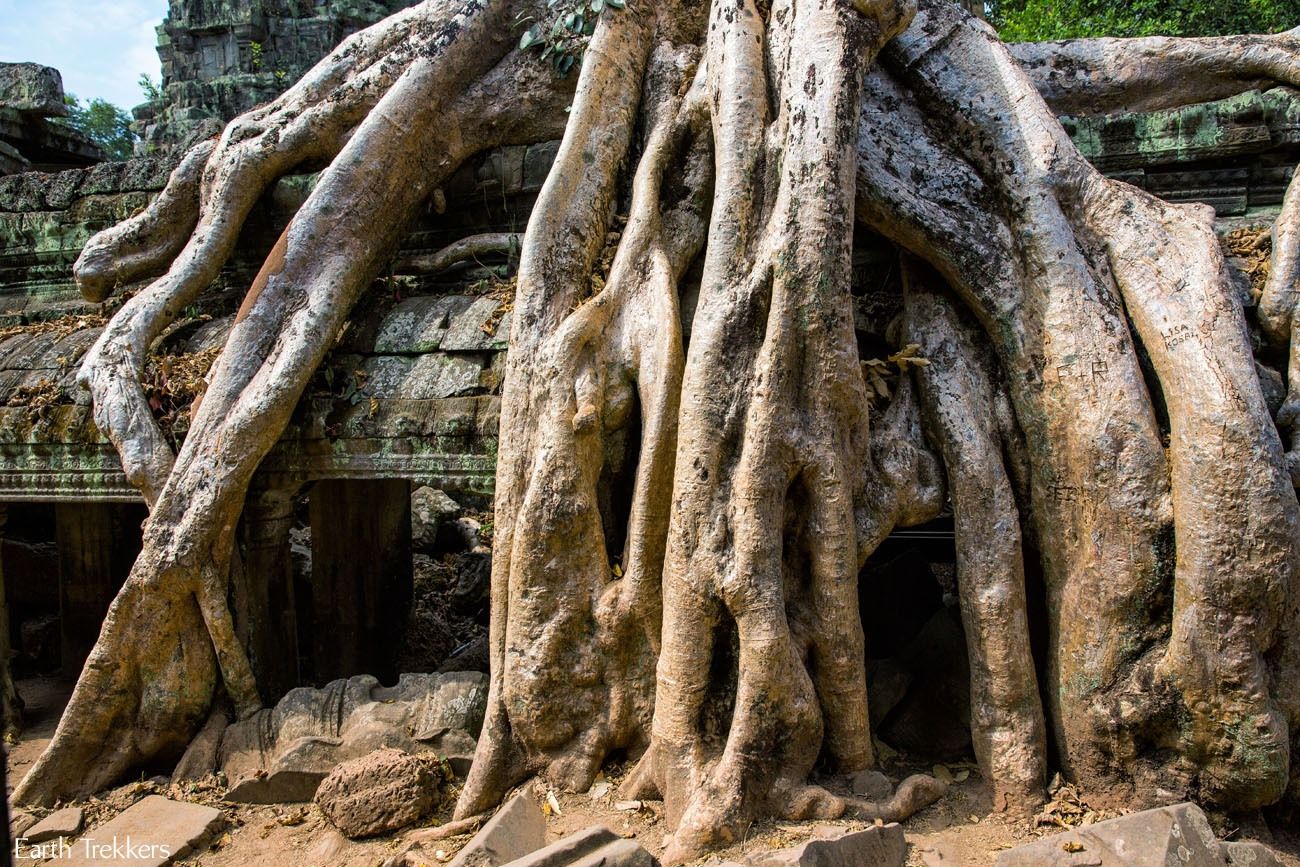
960 830
44 699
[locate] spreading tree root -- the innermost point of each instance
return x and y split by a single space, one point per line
1279 310
756 439
1145 650
970 415
705 617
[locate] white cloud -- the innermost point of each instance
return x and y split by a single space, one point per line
100 47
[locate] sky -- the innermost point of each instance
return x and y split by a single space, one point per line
100 46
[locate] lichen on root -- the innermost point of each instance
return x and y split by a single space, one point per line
712 379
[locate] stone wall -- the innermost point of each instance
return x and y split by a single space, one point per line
411 389
1236 154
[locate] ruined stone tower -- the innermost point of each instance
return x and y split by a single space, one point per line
222 57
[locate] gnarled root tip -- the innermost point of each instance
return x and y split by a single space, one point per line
144 245
913 795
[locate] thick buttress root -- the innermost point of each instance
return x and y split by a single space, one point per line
1279 308
969 415
1055 278
759 432
706 616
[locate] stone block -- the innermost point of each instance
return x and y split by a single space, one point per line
417 325
1178 834
61 823
832 846
538 160
1249 854
517 829
430 509
466 334
281 755
423 377
11 161
594 847
32 89
152 832
440 375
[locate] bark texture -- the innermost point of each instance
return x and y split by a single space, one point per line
706 618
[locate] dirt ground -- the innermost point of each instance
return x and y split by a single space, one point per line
960 830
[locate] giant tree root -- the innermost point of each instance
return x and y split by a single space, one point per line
1121 683
690 476
969 413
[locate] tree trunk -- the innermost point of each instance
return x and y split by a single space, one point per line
707 621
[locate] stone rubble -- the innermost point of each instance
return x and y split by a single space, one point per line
152 832
1175 835
834 846
61 823
594 847
379 793
517 829
282 754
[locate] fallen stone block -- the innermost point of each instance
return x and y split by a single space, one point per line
61 823
1241 854
281 755
517 829
594 847
152 832
378 793
832 846
1178 834
431 509
280 786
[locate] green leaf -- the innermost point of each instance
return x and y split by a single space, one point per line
532 36
617 4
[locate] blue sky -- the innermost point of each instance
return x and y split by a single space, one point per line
100 46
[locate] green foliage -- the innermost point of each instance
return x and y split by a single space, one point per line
563 34
1036 20
152 92
103 123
